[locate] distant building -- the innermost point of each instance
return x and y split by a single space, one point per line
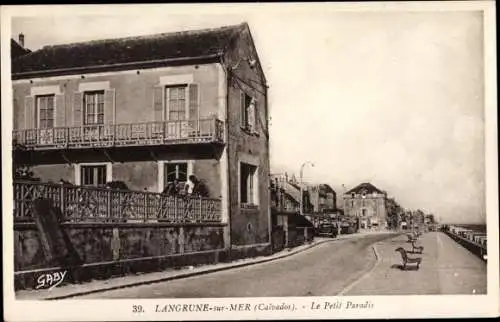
367 203
287 193
323 198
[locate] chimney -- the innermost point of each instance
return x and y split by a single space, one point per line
21 40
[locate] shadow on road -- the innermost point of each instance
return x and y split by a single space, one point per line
408 268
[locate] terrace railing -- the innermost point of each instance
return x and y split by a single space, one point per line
112 135
90 204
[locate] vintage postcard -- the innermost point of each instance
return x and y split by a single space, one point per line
249 161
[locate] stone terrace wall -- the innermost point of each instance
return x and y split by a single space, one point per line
119 243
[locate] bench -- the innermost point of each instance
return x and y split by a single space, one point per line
417 249
411 238
408 260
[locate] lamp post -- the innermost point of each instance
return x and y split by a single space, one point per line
301 189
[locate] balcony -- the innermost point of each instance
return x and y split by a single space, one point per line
89 204
121 135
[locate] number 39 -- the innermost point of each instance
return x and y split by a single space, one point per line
137 309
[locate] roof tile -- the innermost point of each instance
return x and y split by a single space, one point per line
194 43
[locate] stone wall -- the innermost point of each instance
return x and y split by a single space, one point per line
99 243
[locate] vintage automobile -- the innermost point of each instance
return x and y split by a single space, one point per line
327 229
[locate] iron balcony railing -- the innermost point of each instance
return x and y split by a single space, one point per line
112 135
91 204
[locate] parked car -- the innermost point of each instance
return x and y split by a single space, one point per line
327 229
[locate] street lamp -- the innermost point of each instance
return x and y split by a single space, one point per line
301 188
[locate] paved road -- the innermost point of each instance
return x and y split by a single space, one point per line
321 271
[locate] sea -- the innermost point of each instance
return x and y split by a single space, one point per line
481 228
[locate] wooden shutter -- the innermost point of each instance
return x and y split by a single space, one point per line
251 115
243 113
109 106
194 106
29 112
77 109
60 111
158 103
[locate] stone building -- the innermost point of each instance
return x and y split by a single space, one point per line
323 198
368 203
149 110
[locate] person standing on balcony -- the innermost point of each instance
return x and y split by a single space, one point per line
196 187
172 189
191 185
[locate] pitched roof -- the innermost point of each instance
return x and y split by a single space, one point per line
184 44
327 188
17 50
365 186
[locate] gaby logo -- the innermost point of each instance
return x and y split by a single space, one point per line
50 280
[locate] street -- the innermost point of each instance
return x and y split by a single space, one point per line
321 271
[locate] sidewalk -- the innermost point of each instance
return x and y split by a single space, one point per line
446 268
70 290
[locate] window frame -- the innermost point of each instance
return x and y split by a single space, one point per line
245 123
37 110
177 171
78 171
161 177
166 99
254 182
95 95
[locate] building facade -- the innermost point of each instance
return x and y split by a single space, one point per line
289 193
323 198
149 111
367 203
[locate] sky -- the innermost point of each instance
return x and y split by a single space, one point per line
395 98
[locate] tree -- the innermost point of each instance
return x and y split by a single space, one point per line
393 213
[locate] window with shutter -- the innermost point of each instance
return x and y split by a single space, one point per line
243 110
109 106
251 116
176 103
45 111
248 112
77 109
194 107
60 113
29 112
158 103
93 108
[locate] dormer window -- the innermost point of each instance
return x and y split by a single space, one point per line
353 195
